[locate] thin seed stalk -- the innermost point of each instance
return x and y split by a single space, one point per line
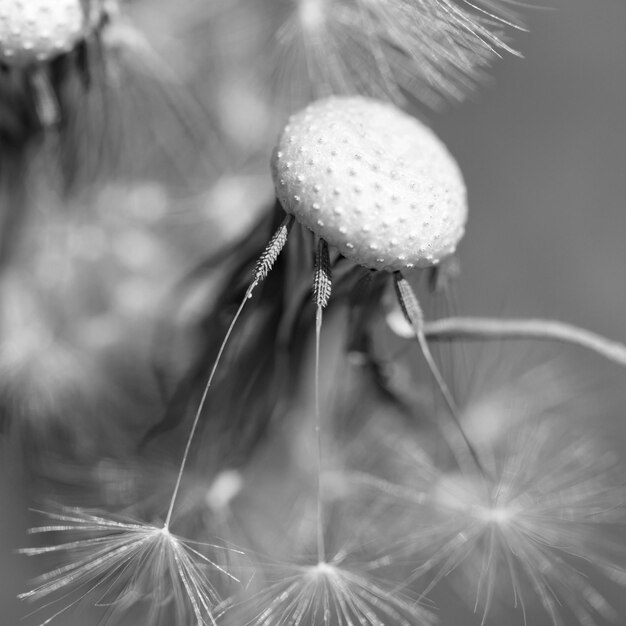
263 267
322 287
414 315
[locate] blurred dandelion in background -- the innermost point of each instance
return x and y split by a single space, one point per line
84 88
331 593
431 50
539 526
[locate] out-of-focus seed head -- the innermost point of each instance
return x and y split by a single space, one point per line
431 51
372 181
33 31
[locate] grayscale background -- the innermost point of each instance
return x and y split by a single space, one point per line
543 150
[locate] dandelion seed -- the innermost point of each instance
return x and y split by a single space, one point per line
333 592
548 509
123 552
369 124
207 506
122 562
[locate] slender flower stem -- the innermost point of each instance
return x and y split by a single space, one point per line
205 394
413 313
321 548
477 328
322 286
262 269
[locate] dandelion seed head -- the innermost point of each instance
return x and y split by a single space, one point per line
39 30
318 195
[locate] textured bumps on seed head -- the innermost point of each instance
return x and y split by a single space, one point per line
34 31
372 181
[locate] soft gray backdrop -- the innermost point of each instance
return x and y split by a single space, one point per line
543 149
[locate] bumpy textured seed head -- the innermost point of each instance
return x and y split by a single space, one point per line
372 181
38 30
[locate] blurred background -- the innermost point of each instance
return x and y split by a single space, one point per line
542 146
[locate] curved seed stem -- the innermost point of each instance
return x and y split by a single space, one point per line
413 313
196 418
476 328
